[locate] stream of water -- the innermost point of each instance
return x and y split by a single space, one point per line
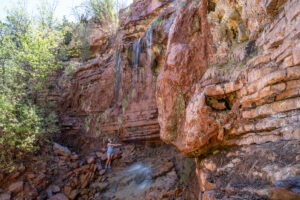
136 58
118 76
149 42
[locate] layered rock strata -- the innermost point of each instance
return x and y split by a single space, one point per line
114 93
204 75
235 82
249 94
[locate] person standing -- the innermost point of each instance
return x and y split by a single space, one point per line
110 153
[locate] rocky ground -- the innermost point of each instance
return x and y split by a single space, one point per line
140 171
266 171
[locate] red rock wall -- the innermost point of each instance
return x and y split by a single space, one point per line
225 72
229 96
233 86
112 95
212 74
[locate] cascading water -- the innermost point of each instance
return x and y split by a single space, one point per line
136 60
142 175
148 67
118 76
149 41
145 73
131 181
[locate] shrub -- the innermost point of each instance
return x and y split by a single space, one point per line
20 128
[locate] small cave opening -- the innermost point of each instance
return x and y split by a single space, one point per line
211 7
250 47
154 64
234 33
221 103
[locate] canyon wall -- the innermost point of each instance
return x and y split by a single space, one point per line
113 94
231 78
218 79
238 85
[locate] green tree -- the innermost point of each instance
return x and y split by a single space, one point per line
104 12
29 51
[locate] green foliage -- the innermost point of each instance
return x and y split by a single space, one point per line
124 104
87 124
20 127
120 121
81 44
29 51
157 21
176 116
104 12
70 68
105 114
188 167
68 37
50 122
182 3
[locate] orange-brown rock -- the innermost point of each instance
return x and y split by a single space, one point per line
16 187
114 93
186 62
200 74
250 90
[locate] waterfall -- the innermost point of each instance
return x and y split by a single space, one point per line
136 56
149 42
141 175
148 67
118 76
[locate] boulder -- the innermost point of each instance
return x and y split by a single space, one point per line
52 189
100 186
90 159
5 196
73 194
61 150
74 156
16 187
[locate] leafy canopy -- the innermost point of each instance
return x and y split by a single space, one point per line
30 49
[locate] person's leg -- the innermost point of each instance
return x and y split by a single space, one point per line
110 158
107 161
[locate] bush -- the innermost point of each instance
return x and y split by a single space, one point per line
22 125
20 128
104 12
29 51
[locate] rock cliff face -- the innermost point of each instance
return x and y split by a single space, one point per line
238 85
204 75
231 78
114 93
